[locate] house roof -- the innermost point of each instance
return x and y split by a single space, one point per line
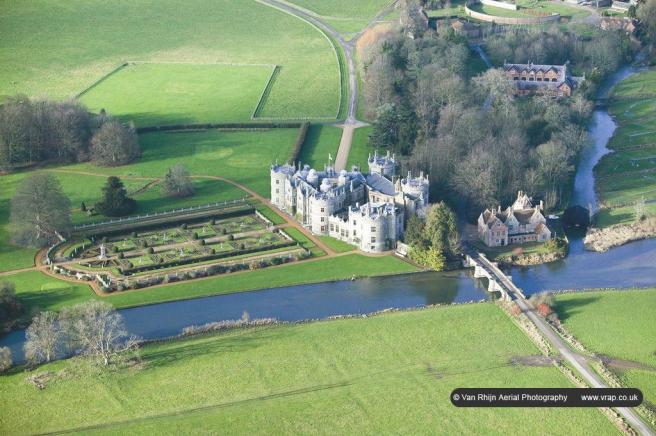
380 184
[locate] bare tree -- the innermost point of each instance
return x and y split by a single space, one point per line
97 330
114 144
44 338
39 211
177 182
640 210
5 359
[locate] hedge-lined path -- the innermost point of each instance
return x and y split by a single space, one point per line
17 271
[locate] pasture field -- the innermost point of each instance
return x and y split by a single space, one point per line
388 373
345 16
243 156
79 42
629 173
619 324
313 271
161 94
320 141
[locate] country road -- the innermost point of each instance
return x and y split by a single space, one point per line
578 361
351 122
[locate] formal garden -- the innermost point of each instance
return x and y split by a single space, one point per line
137 256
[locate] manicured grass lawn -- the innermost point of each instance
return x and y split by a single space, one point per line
629 174
38 292
60 48
159 94
337 245
345 16
270 214
457 8
337 268
619 324
243 156
386 374
360 149
304 241
321 140
532 9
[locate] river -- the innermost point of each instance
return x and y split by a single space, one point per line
631 265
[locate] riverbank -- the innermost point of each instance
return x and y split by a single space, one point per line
350 375
603 239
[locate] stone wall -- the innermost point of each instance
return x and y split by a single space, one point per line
509 20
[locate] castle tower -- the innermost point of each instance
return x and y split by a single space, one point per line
279 176
383 165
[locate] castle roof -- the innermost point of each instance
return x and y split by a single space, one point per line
382 184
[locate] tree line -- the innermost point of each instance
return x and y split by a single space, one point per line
33 131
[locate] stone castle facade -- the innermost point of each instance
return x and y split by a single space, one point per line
365 210
522 222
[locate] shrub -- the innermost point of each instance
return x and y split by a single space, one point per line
276 261
201 242
183 226
143 243
242 246
231 237
224 231
194 236
121 255
5 359
114 249
133 234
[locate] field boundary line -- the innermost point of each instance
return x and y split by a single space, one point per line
101 79
330 41
275 71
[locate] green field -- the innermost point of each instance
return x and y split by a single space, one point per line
38 292
629 174
385 374
79 41
345 16
337 245
532 8
619 324
160 94
321 270
321 140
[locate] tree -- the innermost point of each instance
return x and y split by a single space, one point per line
98 331
10 307
115 200
114 144
412 19
442 229
640 210
414 234
177 182
430 257
40 212
43 338
646 13
5 359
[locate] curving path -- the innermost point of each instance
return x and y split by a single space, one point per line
351 122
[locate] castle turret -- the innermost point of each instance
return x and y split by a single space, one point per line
383 165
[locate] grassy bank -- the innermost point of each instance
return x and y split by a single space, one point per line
321 270
619 324
385 374
629 174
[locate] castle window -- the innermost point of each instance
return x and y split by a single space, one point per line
277 191
539 79
515 78
373 239
554 79
355 232
322 210
277 182
323 228
373 229
332 227
354 222
322 219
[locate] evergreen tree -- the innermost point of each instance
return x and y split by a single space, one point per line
115 200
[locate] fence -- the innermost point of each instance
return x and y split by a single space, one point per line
218 205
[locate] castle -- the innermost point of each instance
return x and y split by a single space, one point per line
519 223
551 80
365 210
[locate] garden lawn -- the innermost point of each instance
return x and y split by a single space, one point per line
321 140
38 292
160 94
345 16
360 149
60 48
619 324
629 174
243 156
305 242
385 374
313 271
337 245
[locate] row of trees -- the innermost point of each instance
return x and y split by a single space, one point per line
34 131
92 329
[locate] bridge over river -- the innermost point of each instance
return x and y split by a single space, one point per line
500 282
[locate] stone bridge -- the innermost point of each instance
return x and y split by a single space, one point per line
498 281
